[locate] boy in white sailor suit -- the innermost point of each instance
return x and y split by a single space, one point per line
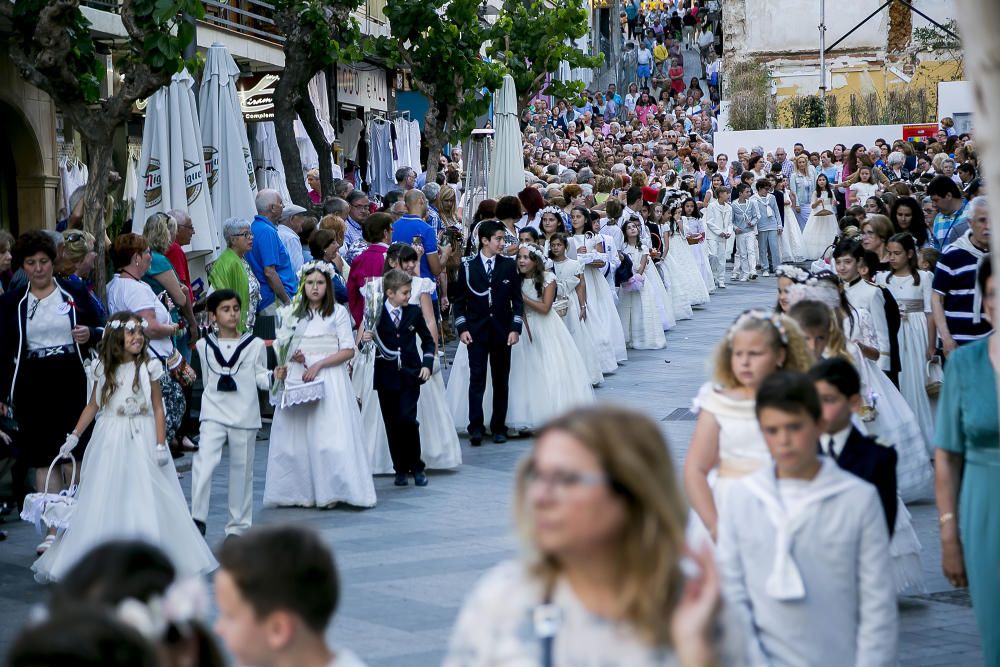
233 368
402 364
719 224
803 547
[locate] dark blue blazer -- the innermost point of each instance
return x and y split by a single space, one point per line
397 358
874 463
489 309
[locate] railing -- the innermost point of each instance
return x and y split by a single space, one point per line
249 17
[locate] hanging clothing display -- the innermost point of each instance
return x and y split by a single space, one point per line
307 152
72 175
131 189
267 160
381 156
415 145
350 137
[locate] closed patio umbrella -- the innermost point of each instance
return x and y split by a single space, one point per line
507 164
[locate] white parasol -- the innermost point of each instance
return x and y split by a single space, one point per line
507 167
171 165
228 162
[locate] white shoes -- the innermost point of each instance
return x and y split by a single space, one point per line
765 274
722 285
45 544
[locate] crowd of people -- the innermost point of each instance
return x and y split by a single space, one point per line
395 326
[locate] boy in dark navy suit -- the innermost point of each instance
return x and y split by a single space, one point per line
488 312
402 364
839 389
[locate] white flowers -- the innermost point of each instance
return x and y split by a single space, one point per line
130 325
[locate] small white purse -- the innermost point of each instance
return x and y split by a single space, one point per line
51 510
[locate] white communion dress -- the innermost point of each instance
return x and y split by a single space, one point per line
640 309
687 278
672 273
547 374
609 339
790 241
124 493
569 274
317 455
820 230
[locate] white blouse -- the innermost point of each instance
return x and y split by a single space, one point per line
48 323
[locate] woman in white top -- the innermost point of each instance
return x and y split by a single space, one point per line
132 256
601 584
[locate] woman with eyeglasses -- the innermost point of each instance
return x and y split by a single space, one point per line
232 271
602 520
77 263
47 329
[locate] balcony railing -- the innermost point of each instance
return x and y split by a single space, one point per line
250 17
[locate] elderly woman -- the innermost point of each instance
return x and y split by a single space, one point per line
312 181
231 270
598 506
895 167
47 328
967 471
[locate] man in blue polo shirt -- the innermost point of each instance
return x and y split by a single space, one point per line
268 257
955 301
411 228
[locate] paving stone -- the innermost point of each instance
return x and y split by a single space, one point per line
407 564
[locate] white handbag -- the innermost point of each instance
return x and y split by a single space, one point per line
51 510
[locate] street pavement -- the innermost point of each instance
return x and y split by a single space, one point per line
407 564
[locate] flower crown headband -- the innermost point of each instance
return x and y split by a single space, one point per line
554 210
184 602
534 250
130 325
759 316
317 265
793 273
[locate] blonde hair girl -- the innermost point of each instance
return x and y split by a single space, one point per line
727 443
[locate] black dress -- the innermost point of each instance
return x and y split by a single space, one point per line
46 389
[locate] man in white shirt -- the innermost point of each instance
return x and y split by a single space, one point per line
289 226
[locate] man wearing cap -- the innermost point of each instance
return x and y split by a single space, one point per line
289 226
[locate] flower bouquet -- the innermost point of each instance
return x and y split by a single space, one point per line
374 298
285 342
634 284
869 407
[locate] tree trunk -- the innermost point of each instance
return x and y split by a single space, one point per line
285 98
434 134
978 20
99 166
307 114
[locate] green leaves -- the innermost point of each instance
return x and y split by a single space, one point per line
532 38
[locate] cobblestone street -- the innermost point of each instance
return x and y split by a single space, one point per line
407 564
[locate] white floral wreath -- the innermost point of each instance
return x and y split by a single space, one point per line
317 265
554 210
129 325
535 250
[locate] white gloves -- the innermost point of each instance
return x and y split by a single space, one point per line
71 442
162 455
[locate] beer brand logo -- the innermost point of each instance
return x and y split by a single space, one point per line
194 179
250 174
153 188
211 165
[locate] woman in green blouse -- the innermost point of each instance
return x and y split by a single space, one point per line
231 270
967 470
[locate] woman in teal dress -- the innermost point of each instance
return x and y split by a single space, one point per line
967 468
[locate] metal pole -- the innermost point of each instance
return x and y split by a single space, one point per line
822 50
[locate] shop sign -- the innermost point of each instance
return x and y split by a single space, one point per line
364 87
256 95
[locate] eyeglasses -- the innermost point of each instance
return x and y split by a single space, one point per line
246 234
562 481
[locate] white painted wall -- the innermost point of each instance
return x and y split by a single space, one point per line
813 138
954 98
793 25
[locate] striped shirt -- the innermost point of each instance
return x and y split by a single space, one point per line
955 281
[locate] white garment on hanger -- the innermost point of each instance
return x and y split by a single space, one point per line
350 137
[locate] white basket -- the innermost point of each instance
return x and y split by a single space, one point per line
54 510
